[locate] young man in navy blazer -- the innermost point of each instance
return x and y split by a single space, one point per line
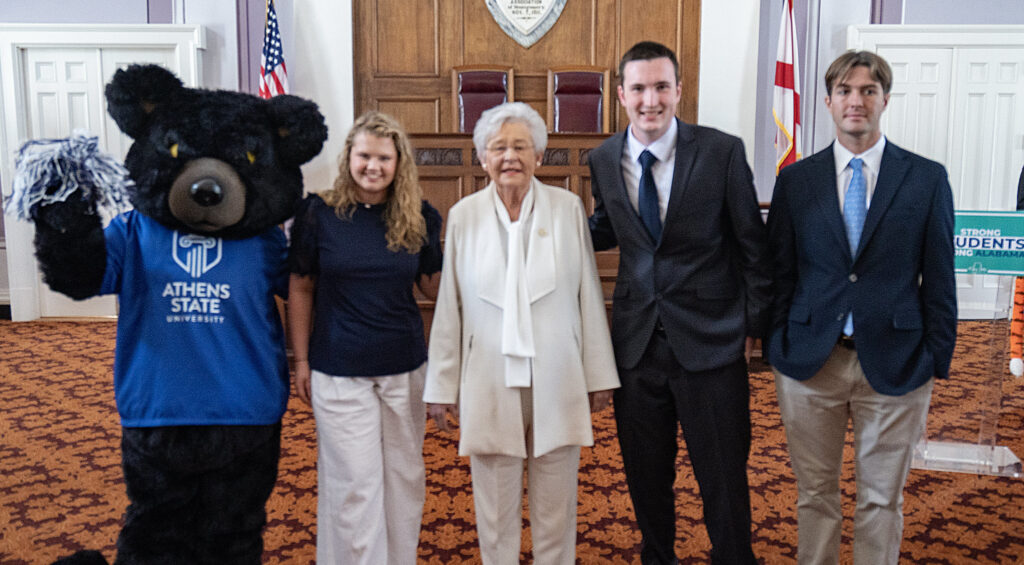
691 295
864 313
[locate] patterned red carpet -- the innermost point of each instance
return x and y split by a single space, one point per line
60 477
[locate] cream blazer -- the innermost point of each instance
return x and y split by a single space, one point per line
570 329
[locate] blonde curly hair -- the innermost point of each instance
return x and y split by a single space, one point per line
403 215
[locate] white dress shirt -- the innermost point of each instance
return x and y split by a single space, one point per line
872 163
664 148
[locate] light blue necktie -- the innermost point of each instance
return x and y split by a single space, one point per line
650 214
855 209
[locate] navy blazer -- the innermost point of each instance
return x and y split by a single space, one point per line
708 278
900 285
1020 190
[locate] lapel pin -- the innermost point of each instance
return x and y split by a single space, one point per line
542 232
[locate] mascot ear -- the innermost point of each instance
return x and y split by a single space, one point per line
134 93
301 131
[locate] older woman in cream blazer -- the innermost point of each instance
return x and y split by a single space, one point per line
520 341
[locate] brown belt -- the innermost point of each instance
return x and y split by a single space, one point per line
846 341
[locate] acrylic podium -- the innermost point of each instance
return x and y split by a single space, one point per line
963 421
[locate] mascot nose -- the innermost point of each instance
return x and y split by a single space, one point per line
206 192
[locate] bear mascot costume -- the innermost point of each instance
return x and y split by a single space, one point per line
200 373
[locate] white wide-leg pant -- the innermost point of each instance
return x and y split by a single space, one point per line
551 489
370 469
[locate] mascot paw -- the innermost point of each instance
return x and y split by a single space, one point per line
74 215
84 557
1017 366
73 170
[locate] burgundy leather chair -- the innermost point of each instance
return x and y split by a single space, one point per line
578 99
476 88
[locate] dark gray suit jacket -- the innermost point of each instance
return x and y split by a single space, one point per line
708 279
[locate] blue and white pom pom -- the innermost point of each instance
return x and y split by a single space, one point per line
71 165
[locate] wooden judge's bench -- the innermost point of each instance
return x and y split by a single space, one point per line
450 169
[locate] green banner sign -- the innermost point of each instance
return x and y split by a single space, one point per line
989 243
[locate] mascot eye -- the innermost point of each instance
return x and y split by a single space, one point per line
174 150
249 155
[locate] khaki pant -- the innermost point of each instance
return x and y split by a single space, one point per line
886 429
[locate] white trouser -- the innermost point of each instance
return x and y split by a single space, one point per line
370 469
815 413
498 496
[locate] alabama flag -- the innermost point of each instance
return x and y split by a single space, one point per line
786 103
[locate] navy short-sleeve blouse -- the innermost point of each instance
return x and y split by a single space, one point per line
365 319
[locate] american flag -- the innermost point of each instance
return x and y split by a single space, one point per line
786 99
273 74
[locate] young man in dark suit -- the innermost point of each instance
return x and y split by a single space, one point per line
864 313
692 294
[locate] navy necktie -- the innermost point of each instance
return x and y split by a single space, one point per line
855 209
650 214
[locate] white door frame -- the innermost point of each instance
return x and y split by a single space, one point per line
977 294
873 37
185 41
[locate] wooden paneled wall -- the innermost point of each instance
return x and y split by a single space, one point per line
450 169
405 50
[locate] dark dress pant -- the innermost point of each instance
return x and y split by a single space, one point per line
713 408
197 493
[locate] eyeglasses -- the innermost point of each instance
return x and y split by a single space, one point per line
501 149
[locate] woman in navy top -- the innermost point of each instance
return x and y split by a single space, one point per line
357 335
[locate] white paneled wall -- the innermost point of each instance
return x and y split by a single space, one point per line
918 112
958 98
987 128
51 82
63 90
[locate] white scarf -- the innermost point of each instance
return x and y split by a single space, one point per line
516 320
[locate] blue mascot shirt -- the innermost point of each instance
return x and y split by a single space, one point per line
199 338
